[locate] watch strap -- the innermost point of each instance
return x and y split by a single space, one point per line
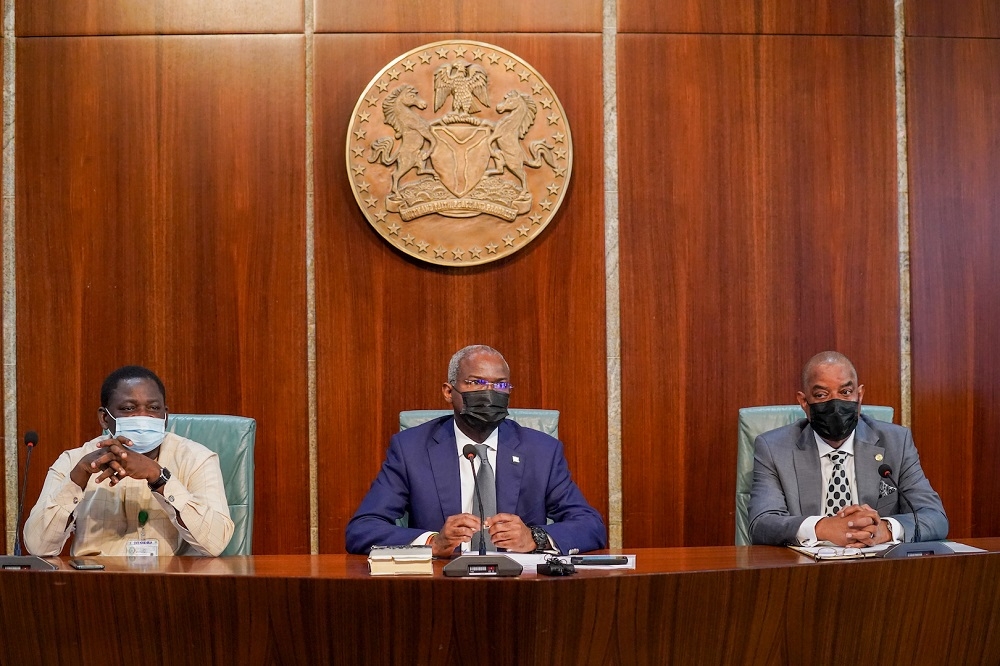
162 481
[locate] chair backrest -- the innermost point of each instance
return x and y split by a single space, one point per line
546 420
232 438
754 421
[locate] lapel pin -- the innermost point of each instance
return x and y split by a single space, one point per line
878 457
517 461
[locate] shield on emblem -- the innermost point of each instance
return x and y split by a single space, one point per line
461 155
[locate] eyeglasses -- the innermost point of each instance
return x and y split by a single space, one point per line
482 384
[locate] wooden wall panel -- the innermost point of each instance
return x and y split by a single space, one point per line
160 221
137 17
953 103
824 17
958 18
387 325
758 227
458 16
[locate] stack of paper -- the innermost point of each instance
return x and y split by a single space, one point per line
400 560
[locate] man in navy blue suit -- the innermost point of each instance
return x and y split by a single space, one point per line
426 476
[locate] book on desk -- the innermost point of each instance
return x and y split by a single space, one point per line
400 561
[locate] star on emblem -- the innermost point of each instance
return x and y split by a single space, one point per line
439 252
407 239
560 172
560 153
536 219
364 116
408 65
460 51
553 118
363 186
442 53
508 240
510 64
360 133
545 204
475 252
537 88
524 75
559 137
423 246
358 151
546 102
380 216
383 85
394 229
458 252
372 100
553 188
523 230
494 58
492 248
425 58
478 54
359 170
393 74
371 201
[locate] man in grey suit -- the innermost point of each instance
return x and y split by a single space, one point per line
818 480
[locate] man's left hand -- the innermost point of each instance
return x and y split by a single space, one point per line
508 531
866 525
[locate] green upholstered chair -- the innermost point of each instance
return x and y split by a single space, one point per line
232 438
754 421
546 420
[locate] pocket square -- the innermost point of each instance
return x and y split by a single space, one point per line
884 489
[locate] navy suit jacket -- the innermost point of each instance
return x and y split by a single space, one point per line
788 481
421 476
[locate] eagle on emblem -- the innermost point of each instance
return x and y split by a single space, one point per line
465 82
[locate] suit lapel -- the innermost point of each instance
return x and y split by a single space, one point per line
508 473
443 454
868 455
808 475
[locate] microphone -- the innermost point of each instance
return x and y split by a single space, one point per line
30 441
470 453
885 472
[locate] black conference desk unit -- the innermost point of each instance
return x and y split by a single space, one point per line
719 605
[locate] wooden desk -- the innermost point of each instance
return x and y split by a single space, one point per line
680 606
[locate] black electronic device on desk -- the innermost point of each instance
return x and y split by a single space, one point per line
483 566
25 563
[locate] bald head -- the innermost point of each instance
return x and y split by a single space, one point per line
826 359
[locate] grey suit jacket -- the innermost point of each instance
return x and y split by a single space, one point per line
788 485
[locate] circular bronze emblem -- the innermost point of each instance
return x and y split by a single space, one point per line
459 153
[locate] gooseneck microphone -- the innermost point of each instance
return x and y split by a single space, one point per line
470 453
885 472
30 441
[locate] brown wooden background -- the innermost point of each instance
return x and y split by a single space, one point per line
161 198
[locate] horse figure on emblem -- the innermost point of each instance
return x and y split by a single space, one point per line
412 132
507 135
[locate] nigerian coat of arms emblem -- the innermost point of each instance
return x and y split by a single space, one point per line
459 153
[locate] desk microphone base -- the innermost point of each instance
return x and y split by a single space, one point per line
483 566
25 563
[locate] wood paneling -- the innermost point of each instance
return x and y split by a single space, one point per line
387 325
160 221
758 227
458 16
138 17
953 103
958 18
823 17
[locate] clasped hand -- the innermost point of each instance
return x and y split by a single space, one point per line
114 461
506 530
855 526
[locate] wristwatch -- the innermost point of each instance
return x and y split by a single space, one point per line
541 538
162 481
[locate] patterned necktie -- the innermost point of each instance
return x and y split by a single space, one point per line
487 484
838 493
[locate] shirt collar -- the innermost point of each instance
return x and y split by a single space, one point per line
824 448
461 439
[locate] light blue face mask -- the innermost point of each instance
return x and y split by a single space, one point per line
145 432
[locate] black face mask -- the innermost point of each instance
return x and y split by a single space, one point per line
834 420
484 410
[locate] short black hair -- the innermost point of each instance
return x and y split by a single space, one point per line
125 373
